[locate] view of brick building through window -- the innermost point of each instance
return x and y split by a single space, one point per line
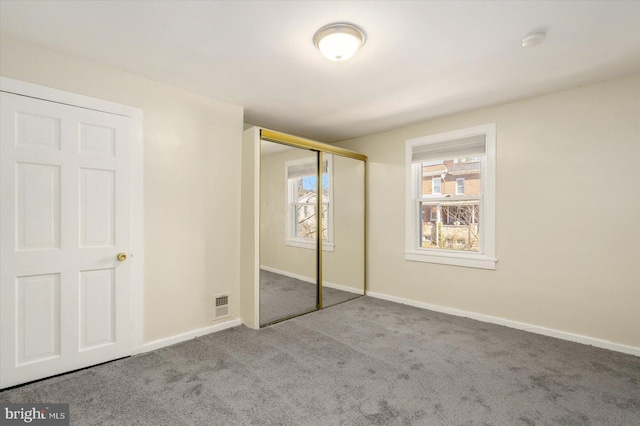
451 220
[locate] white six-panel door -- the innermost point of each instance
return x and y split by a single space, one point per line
65 214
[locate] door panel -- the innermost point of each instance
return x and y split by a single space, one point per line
97 308
38 215
97 140
37 131
38 327
65 214
97 207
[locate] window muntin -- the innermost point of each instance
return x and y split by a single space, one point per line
457 225
302 203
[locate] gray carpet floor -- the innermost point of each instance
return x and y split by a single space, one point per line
363 362
284 297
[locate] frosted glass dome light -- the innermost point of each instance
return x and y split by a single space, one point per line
338 42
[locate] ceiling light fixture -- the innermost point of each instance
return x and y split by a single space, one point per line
339 41
534 38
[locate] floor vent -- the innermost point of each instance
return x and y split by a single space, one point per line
222 306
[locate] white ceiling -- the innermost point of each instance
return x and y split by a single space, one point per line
421 59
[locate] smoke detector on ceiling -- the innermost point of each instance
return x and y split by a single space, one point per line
534 38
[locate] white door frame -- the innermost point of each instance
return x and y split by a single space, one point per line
135 114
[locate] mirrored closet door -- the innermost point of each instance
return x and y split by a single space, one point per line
343 261
288 200
298 207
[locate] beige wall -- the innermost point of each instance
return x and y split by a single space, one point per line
191 183
345 265
567 235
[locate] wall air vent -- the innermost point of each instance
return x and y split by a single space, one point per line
222 306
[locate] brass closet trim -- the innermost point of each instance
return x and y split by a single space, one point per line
319 229
299 142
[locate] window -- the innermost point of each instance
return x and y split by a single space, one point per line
436 185
450 207
459 185
433 214
302 203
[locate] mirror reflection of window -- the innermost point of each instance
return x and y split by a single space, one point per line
302 202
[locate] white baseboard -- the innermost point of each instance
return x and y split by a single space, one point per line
311 280
578 338
343 288
168 341
288 274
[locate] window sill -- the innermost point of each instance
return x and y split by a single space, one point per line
311 245
456 259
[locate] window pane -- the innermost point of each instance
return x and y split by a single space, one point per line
457 176
325 217
304 206
306 187
436 187
305 216
305 221
450 225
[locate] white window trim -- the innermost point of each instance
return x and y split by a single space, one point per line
433 186
463 188
306 243
486 258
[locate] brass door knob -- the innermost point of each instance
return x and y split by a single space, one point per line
122 257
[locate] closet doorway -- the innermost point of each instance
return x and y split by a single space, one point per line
311 228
